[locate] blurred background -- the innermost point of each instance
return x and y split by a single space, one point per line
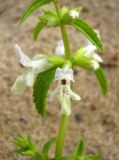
95 118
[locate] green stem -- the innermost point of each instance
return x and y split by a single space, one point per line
64 33
61 136
64 119
66 42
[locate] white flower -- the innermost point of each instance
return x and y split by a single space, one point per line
63 91
74 14
95 65
39 64
60 50
90 52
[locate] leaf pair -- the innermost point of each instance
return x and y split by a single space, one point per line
78 23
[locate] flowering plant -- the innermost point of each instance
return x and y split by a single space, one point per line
43 69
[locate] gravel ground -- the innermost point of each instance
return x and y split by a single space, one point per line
95 118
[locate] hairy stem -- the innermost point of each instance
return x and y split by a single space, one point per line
66 42
64 118
64 34
61 136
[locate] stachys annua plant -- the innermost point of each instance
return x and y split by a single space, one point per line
42 70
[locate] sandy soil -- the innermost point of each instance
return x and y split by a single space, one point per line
95 118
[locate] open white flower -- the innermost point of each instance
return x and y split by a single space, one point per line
60 50
63 91
34 67
90 52
74 14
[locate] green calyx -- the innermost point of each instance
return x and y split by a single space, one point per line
52 19
57 61
80 60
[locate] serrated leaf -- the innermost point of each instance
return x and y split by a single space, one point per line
47 145
38 29
32 7
102 80
41 88
88 31
78 151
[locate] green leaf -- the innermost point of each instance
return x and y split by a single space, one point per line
90 157
102 80
78 151
88 31
33 6
37 156
41 88
60 158
25 146
47 145
38 29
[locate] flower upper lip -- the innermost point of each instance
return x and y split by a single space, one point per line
64 73
60 50
36 66
24 60
74 14
90 52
